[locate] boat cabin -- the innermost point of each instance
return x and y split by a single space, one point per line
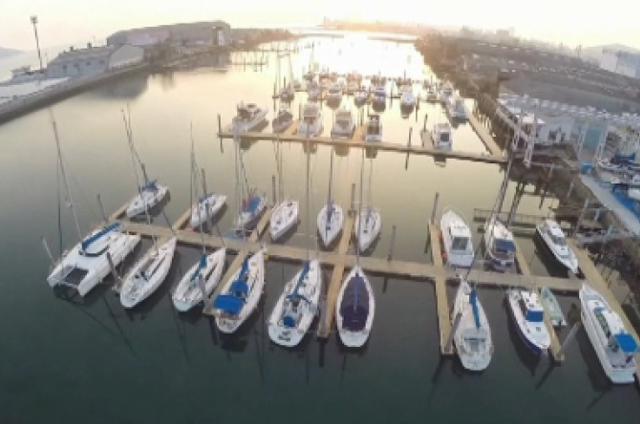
619 341
530 307
310 112
344 117
374 127
553 231
460 236
248 111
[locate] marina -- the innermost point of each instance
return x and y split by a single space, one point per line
411 343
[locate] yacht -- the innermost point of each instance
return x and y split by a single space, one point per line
360 97
445 92
556 243
148 196
442 136
207 207
334 93
248 117
499 244
456 238
287 93
240 294
613 344
552 308
343 124
456 108
379 101
407 98
473 335
86 264
283 218
352 87
282 121
314 91
528 315
431 96
367 227
311 124
373 129
199 281
355 309
147 274
330 221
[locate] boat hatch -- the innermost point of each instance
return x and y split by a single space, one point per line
74 276
444 136
534 315
459 243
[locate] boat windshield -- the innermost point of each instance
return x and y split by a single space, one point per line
459 243
558 240
444 136
534 316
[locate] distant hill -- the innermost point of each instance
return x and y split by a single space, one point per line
7 52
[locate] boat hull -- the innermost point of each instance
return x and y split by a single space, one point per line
355 339
187 296
570 265
533 346
456 258
283 218
369 230
207 209
471 359
146 201
329 230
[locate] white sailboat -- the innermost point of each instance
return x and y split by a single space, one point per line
528 315
86 264
456 237
613 344
241 293
285 214
369 220
556 243
331 217
208 205
356 306
298 304
472 338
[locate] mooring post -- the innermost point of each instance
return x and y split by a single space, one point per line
409 140
104 215
454 328
353 197
424 125
435 207
393 242
273 188
300 112
219 127
570 336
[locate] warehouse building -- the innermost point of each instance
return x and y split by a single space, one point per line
211 33
93 60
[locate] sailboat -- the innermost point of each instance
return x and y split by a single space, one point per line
240 293
285 215
202 278
148 273
86 264
297 306
355 308
207 206
472 338
368 222
331 217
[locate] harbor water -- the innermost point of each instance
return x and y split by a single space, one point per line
74 360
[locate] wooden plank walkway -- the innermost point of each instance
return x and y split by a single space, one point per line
440 282
484 136
336 279
385 146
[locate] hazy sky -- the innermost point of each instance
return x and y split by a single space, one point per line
75 21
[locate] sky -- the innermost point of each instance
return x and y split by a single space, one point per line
75 21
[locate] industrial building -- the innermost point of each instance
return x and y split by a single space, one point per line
211 33
93 60
621 62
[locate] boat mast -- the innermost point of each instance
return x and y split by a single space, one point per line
360 212
64 179
329 206
194 184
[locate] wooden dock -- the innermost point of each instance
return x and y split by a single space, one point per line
442 301
336 279
484 136
357 141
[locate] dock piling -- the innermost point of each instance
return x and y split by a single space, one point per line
454 328
353 198
219 126
424 125
393 242
409 140
435 207
569 191
114 271
569 338
104 214
273 188
581 217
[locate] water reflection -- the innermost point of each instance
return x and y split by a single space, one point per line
124 90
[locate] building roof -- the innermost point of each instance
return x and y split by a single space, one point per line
83 54
203 24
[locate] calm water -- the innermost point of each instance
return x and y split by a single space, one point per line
90 361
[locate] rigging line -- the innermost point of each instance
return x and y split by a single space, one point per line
60 241
77 183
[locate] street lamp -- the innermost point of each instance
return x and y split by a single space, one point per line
34 22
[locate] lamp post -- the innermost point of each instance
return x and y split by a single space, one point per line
34 22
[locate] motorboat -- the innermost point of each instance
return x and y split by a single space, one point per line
314 91
367 227
442 136
355 309
206 208
297 85
287 93
297 306
456 238
149 195
343 124
556 243
552 307
199 281
472 338
311 124
282 121
407 98
248 117
456 108
431 96
445 92
613 344
147 274
240 294
334 93
373 129
87 264
352 87
379 100
499 243
283 218
528 315
252 207
360 97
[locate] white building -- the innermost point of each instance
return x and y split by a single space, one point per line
93 60
621 62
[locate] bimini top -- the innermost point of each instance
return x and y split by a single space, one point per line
355 304
627 343
92 239
554 228
232 303
254 203
473 299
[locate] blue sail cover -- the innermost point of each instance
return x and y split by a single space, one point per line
473 299
355 304
289 321
150 186
91 239
627 343
228 303
254 203
201 265
303 274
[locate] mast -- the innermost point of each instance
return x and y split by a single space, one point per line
64 179
194 179
307 200
360 212
329 205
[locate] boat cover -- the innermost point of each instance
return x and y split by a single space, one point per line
505 245
201 265
254 203
473 299
303 274
228 303
355 304
91 239
151 186
627 343
204 198
289 321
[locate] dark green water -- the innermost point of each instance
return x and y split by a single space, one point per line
89 361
